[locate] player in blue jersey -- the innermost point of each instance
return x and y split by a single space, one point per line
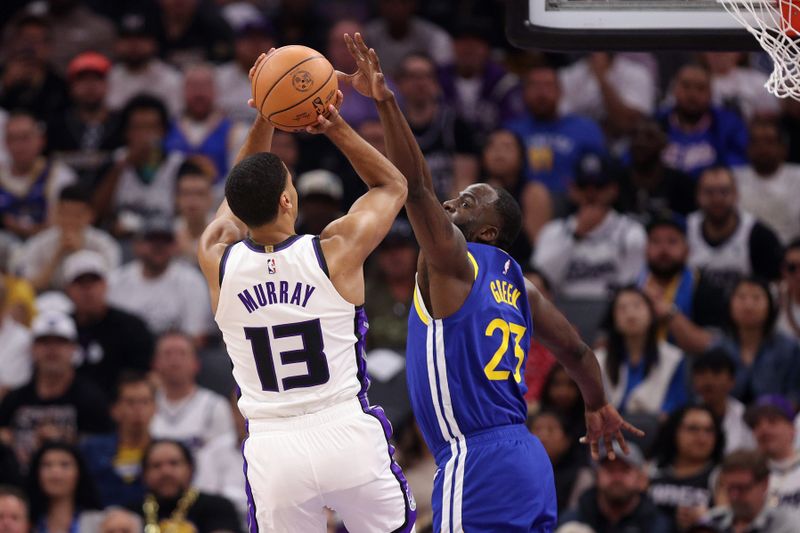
469 335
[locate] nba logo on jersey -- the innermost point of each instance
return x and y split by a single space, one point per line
507 266
271 268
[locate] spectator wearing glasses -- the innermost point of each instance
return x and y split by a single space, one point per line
745 481
789 314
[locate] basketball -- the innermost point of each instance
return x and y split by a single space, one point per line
293 86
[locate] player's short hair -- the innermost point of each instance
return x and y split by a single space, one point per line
75 193
254 187
748 460
511 215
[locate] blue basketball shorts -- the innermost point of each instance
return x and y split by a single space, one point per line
495 480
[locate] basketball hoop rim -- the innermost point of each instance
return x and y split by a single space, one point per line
522 34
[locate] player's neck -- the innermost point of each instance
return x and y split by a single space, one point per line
272 234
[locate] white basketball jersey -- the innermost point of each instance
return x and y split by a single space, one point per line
732 256
297 346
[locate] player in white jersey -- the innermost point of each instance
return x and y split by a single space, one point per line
290 308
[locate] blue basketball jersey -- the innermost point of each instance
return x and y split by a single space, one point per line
465 372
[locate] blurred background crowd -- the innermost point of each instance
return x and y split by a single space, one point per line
661 201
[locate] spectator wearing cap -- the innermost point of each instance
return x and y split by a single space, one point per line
203 129
647 186
161 290
110 340
253 36
31 182
15 348
84 135
772 420
769 186
114 460
397 33
484 93
597 248
744 478
29 82
76 29
194 200
619 502
789 313
713 379
554 142
320 193
141 183
612 89
700 134
672 286
56 404
446 141
41 259
138 70
191 32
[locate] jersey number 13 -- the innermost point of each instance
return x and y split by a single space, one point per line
312 354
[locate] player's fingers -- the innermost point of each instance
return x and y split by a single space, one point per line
352 47
622 443
632 429
251 103
609 440
343 77
362 46
373 58
337 102
595 449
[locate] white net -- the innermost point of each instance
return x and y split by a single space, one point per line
775 23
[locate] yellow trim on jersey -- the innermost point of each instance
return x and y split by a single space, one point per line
474 264
420 307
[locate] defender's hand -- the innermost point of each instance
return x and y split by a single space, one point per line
368 79
606 423
263 57
323 124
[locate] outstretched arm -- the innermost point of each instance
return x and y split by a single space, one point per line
226 228
443 245
557 334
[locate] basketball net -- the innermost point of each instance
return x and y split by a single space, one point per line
776 25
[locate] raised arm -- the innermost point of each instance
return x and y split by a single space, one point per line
347 241
226 228
557 334
443 245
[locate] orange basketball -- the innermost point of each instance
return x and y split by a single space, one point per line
294 85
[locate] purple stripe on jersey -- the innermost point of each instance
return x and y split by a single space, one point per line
260 248
252 524
361 327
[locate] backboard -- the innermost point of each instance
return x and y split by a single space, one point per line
583 25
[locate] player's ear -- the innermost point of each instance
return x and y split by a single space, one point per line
286 201
488 233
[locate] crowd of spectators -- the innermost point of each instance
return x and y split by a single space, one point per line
661 214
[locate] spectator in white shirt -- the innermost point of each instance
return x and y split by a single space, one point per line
772 420
737 87
15 347
194 415
597 248
163 291
713 378
138 69
398 33
253 36
41 259
611 89
142 181
769 187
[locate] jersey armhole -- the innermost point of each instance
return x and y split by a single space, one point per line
320 256
224 259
